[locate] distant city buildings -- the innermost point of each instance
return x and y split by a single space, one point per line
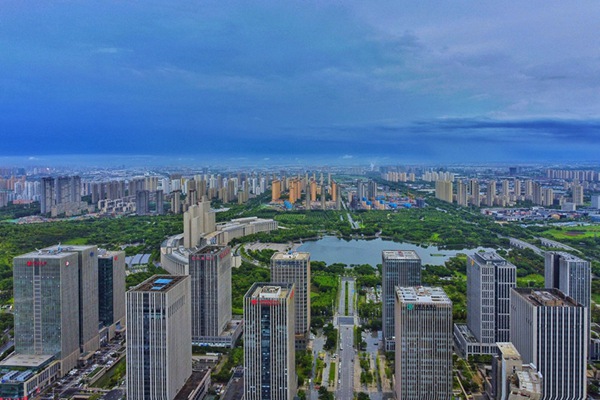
62 195
551 331
423 336
399 268
269 355
295 268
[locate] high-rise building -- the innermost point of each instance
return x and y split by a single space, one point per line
569 274
475 195
489 280
142 202
443 190
461 194
46 305
160 202
197 220
295 268
111 292
423 343
577 190
551 331
61 195
210 272
159 342
399 268
269 357
89 339
275 190
490 195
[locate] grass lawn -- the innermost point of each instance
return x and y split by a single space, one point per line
571 232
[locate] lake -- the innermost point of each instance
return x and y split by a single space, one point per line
332 249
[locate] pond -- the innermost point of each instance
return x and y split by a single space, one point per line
360 251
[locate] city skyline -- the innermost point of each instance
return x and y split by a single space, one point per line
271 81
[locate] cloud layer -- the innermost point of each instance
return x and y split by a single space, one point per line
410 81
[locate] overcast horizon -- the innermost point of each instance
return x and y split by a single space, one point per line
349 82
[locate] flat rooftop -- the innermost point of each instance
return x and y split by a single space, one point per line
210 250
26 360
109 253
547 298
568 256
270 290
466 333
508 350
422 295
296 255
191 384
400 255
159 283
489 256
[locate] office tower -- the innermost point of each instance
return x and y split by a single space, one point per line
159 349
399 268
210 272
111 291
461 194
275 190
489 280
511 379
295 268
490 195
46 305
577 190
142 202
443 190
160 202
269 357
475 195
551 331
570 274
423 343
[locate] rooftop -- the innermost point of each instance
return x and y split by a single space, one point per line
26 360
270 290
210 250
422 295
400 255
547 297
291 256
508 350
159 283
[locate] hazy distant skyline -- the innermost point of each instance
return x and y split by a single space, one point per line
399 81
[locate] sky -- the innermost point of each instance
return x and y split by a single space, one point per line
337 81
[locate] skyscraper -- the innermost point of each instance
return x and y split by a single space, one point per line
269 357
423 343
111 291
295 268
159 348
551 331
489 280
210 272
569 274
46 305
399 268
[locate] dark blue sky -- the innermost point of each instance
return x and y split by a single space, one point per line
386 80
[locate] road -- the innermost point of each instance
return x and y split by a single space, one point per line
346 351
